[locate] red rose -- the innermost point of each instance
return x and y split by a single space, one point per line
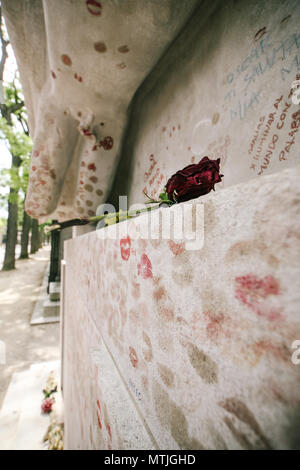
47 405
194 180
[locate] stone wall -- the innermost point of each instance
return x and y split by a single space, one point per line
223 89
170 348
167 348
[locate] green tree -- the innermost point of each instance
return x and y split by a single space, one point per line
14 130
19 145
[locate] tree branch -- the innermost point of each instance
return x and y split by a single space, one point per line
15 107
23 123
4 44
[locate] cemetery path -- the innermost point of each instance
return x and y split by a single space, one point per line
25 344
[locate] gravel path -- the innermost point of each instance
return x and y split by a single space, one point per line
25 344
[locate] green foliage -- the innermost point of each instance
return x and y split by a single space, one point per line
14 132
18 143
20 147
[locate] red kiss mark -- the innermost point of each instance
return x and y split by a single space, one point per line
36 153
145 267
53 74
92 167
280 351
33 168
87 132
94 7
133 356
125 246
251 291
77 77
251 287
176 248
107 143
99 406
66 60
214 325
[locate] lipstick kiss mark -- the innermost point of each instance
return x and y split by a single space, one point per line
125 245
145 267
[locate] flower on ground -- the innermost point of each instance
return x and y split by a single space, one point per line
47 405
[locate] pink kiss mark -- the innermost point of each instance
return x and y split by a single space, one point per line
251 291
145 267
125 246
133 356
176 248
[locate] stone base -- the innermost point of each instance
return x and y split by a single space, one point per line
54 291
51 309
40 314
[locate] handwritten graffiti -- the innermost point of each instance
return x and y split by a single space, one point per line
154 178
257 63
295 124
284 121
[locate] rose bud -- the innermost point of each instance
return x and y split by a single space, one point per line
47 405
194 180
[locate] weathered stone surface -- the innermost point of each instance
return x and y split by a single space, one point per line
202 339
80 64
51 308
223 89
